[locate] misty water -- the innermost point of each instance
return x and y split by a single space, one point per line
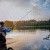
33 39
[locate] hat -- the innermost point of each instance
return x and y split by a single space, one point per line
1 24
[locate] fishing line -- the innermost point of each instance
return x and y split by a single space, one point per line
25 15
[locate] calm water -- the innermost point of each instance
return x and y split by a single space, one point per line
33 39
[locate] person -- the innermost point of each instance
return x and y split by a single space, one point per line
3 36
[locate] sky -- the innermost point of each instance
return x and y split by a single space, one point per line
24 10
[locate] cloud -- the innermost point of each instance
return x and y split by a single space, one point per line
24 3
33 3
20 3
17 8
46 4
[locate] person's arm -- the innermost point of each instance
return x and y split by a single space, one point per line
6 29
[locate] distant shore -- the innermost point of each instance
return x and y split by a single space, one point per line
33 27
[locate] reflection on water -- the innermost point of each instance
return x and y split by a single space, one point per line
32 39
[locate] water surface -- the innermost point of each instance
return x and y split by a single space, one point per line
32 39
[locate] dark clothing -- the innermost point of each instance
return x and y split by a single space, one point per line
2 38
3 48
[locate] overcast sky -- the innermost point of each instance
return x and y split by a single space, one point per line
24 9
